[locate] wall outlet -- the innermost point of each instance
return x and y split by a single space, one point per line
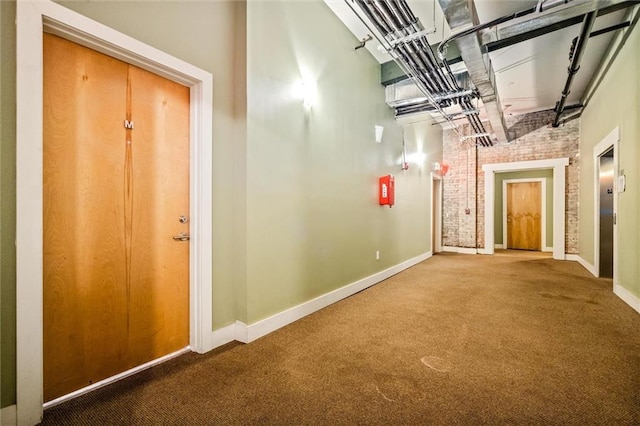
377 255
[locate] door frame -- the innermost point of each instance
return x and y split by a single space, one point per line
558 165
543 204
32 19
436 221
608 142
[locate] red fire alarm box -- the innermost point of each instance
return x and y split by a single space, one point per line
387 190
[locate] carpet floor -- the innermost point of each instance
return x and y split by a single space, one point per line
457 339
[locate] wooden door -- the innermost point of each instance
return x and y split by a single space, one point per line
116 284
524 212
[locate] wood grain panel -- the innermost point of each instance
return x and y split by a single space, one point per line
98 292
160 158
524 223
82 165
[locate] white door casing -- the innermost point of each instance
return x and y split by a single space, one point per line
558 165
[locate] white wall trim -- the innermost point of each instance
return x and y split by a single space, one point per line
558 165
543 206
624 294
586 265
461 250
34 17
609 141
629 298
547 249
498 246
248 333
8 416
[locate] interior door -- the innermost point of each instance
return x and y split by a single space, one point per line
116 190
524 208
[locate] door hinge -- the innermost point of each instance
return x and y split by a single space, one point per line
615 218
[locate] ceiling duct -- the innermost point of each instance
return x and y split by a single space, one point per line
461 14
404 38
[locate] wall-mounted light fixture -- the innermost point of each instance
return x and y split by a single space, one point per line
307 91
417 158
379 130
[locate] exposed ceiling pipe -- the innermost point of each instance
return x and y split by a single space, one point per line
404 38
578 52
548 4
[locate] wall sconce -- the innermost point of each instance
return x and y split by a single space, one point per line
306 90
417 158
379 131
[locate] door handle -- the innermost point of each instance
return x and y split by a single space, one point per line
183 236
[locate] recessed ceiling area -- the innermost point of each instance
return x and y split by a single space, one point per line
529 53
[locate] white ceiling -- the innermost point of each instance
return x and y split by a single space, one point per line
530 75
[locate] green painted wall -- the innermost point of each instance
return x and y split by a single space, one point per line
500 177
313 223
615 103
7 202
295 211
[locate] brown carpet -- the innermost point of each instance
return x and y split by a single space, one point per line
457 339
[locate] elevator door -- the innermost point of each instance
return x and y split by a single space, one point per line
116 184
606 214
524 218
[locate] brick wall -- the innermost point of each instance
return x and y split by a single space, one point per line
463 185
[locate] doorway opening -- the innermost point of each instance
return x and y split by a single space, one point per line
605 213
605 166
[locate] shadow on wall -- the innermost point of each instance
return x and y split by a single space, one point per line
521 125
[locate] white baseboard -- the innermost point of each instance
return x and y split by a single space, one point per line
248 333
499 246
624 294
8 416
466 250
586 265
462 250
629 298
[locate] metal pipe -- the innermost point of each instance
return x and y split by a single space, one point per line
387 21
390 18
429 57
548 4
581 45
374 16
401 13
431 71
615 27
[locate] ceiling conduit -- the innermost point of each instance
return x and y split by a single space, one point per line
575 57
405 39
